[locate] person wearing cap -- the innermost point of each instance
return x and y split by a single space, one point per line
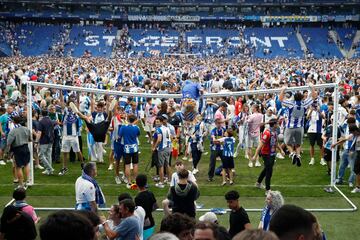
267 147
209 217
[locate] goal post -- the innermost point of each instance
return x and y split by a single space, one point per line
206 95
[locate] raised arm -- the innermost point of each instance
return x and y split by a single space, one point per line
282 94
313 91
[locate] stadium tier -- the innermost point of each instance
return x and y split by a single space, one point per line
257 42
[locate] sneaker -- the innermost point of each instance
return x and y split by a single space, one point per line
73 107
2 162
124 179
293 158
210 179
111 167
39 167
159 185
250 165
63 171
259 185
28 183
298 160
323 162
156 178
117 180
223 184
184 158
339 182
235 154
280 156
16 181
195 171
351 185
48 172
205 153
312 161
128 185
356 190
231 182
190 159
257 164
112 104
328 190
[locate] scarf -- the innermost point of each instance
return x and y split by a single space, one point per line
99 199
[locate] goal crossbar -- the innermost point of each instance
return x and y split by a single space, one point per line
334 86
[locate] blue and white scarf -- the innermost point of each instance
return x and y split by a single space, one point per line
99 197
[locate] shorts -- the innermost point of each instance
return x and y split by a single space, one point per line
131 158
327 155
70 142
294 136
163 157
3 143
252 141
21 155
357 163
118 150
228 162
98 130
148 127
315 138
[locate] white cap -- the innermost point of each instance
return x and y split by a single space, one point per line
209 217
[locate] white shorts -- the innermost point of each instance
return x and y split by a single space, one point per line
252 141
69 142
148 127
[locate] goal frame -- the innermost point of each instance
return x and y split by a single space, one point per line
335 86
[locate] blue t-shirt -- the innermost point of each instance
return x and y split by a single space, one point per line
4 121
191 90
129 228
129 138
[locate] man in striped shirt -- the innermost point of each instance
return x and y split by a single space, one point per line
294 131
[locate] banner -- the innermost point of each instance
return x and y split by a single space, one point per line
160 18
296 18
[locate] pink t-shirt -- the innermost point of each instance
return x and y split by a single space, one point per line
30 211
219 115
254 122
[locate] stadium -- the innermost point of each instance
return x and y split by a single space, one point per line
174 119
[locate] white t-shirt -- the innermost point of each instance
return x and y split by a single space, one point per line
84 191
314 117
140 214
175 178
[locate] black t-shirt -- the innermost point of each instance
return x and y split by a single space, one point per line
184 203
237 221
146 200
46 126
23 228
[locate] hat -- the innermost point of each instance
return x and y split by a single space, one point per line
209 217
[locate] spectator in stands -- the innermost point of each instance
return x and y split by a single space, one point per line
67 225
255 234
239 220
19 196
178 224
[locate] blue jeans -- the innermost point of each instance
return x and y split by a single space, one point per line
347 159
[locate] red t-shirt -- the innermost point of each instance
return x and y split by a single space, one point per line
238 107
269 138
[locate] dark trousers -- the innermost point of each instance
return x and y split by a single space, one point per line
56 149
72 154
214 154
196 154
267 171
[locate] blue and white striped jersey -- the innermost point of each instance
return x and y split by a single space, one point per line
229 146
297 110
166 140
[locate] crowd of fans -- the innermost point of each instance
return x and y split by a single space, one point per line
262 123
